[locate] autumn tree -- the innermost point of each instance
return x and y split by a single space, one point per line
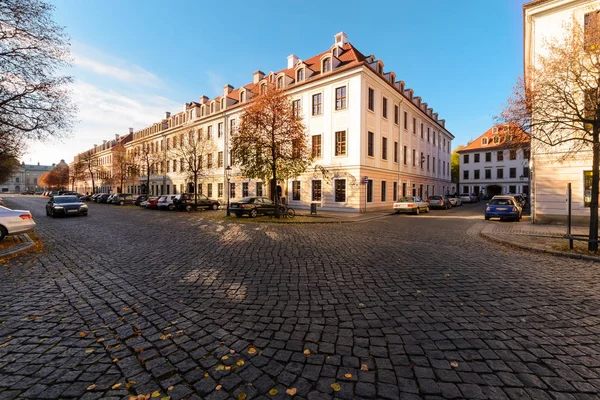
194 150
271 142
149 158
34 52
455 165
56 178
558 104
124 166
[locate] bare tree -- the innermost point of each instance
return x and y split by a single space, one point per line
558 103
150 160
124 167
90 167
194 150
271 142
76 173
34 51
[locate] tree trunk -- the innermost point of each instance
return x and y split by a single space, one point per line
196 189
593 246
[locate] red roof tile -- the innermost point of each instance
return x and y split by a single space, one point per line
498 140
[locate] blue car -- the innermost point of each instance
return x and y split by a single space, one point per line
503 207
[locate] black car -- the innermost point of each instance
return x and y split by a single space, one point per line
138 199
203 201
65 205
122 198
102 198
253 206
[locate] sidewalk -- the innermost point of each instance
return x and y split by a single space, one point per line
15 244
537 237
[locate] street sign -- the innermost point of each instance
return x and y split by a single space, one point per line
364 180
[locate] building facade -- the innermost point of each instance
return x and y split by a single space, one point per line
497 162
25 179
372 139
543 20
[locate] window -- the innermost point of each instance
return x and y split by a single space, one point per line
242 98
300 75
404 154
371 99
403 189
200 189
220 159
244 189
220 190
591 31
465 174
414 158
174 165
296 190
465 189
526 172
209 160
476 174
340 147
427 162
395 192
429 135
370 191
340 98
340 190
316 190
316 146
383 190
488 156
405 120
488 174
327 65
434 164
500 173
209 190
476 157
513 154
512 189
512 173
500 155
422 130
384 105
371 144
280 82
484 141
297 107
395 152
526 154
396 114
209 135
259 189
465 159
181 165
316 104
220 129
415 126
232 127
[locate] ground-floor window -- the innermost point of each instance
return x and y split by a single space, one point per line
209 190
244 189
220 190
403 189
466 189
231 190
340 190
512 189
383 190
200 188
476 189
174 189
369 191
395 194
316 190
414 189
296 190
587 188
259 188
421 191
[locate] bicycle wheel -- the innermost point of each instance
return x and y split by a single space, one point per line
291 213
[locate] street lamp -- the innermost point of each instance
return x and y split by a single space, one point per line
228 176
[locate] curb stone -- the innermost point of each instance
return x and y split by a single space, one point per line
18 248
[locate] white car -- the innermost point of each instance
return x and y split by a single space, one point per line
15 221
465 198
411 204
455 200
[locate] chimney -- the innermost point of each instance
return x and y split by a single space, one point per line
130 130
292 60
203 99
167 114
227 89
341 39
38 163
258 75
117 137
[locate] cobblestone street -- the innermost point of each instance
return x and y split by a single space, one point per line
130 301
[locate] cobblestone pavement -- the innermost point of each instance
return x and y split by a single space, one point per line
129 301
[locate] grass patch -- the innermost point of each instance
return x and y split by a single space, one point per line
579 247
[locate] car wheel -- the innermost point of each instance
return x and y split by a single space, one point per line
238 215
47 213
427 209
214 206
52 213
171 207
417 211
188 207
121 203
253 213
3 233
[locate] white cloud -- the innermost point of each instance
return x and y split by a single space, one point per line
132 74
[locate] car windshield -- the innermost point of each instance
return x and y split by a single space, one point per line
435 197
406 199
500 202
66 199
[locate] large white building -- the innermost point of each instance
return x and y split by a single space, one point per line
372 138
546 19
497 162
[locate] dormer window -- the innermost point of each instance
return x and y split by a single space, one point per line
495 129
280 82
496 139
263 88
327 65
300 75
242 97
222 103
212 108
380 68
484 141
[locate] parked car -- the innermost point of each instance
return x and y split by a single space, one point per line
166 202
475 198
85 197
1 202
519 198
411 204
465 198
122 199
14 221
66 205
454 200
252 206
102 198
27 192
204 202
52 194
137 200
503 207
439 201
152 202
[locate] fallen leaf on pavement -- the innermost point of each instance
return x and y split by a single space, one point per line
232 351
336 387
115 360
454 364
171 388
115 386
307 352
156 394
100 340
180 331
291 391
239 363
165 337
165 398
225 357
364 367
242 396
219 387
139 350
348 376
88 351
130 384
361 304
91 387
83 334
273 392
251 350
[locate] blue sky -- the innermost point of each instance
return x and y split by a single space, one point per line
136 59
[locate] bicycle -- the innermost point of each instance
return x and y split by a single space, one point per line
287 212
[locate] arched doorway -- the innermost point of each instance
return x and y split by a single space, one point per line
17 189
493 190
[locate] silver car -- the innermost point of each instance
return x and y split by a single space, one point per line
15 221
455 200
411 204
